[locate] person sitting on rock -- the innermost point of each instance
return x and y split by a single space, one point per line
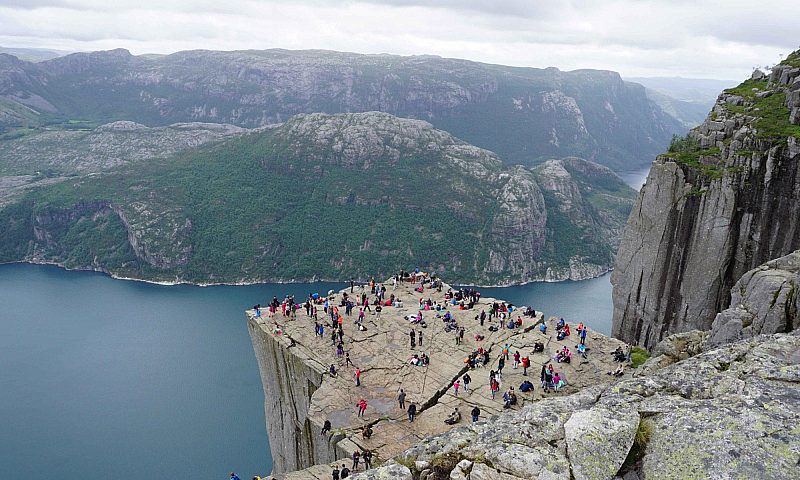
582 350
366 432
454 417
543 328
538 347
619 354
326 427
332 370
620 371
526 386
561 324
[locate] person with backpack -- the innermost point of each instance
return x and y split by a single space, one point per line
335 473
476 412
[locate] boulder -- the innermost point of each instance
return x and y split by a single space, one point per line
598 440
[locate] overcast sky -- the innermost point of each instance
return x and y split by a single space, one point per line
695 38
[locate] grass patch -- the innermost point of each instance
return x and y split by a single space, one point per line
793 60
705 161
638 356
639 447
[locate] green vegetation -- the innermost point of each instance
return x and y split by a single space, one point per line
793 60
705 161
643 434
276 205
638 356
770 112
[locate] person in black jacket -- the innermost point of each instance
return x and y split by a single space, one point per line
476 412
412 411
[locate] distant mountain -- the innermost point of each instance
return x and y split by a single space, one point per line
329 196
696 90
34 54
690 114
525 115
686 99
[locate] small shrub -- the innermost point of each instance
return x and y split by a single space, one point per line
639 356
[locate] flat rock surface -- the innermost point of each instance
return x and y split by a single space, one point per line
382 352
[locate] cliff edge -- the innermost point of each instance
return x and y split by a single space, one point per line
300 394
722 201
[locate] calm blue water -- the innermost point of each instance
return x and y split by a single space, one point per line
102 378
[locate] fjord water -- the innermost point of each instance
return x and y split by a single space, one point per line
104 378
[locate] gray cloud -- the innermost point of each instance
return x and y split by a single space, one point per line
709 38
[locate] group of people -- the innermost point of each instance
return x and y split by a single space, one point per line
500 315
357 457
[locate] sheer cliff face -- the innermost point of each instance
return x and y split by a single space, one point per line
722 202
289 381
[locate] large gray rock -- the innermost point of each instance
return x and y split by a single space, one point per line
598 440
701 223
763 301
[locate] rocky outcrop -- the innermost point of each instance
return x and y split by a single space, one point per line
300 396
763 301
722 202
69 152
523 114
728 413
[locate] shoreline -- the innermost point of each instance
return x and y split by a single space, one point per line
279 282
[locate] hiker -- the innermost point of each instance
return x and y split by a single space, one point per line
583 335
326 427
494 386
543 328
378 310
332 370
357 375
501 362
476 412
345 472
526 363
467 379
347 361
356 457
482 317
456 386
401 399
526 386
367 457
335 473
505 351
412 411
362 407
517 357
413 339
419 337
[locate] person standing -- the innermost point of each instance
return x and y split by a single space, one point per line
517 358
335 472
501 362
466 380
378 309
401 398
456 386
357 374
412 411
367 457
483 316
345 472
419 337
583 335
476 412
352 284
362 407
526 362
413 339
356 458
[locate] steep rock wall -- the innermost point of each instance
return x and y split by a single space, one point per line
289 381
711 212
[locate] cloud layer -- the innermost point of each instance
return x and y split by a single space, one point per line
705 38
